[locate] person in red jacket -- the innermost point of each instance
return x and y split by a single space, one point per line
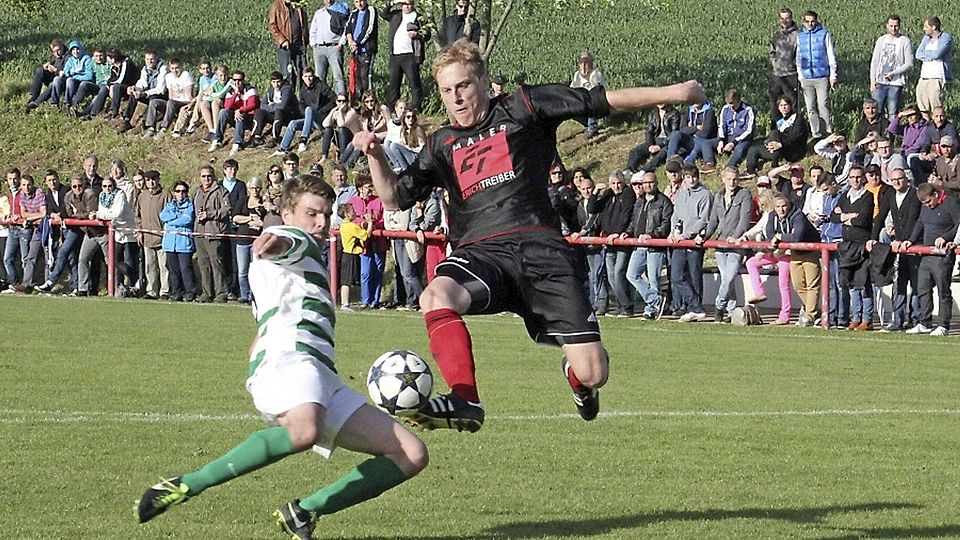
238 110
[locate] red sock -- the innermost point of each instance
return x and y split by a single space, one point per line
452 349
575 383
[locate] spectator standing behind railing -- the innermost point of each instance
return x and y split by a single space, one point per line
177 217
237 196
691 215
31 205
614 206
249 222
353 238
150 202
792 226
839 315
4 233
938 227
729 219
374 256
759 232
114 206
651 219
901 207
212 205
855 213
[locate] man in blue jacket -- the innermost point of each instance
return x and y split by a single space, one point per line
817 70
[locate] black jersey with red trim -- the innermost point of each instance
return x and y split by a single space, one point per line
497 171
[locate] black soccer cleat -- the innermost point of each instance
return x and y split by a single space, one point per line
588 402
294 521
158 498
448 412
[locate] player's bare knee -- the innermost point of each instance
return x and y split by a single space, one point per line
302 435
444 293
411 456
589 364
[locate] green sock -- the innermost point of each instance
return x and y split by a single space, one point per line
260 449
365 481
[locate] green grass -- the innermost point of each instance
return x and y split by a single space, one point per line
707 431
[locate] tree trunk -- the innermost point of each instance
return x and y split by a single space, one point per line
495 32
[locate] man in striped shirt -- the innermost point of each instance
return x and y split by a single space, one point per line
293 381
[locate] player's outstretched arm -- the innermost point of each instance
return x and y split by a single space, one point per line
631 99
384 179
269 246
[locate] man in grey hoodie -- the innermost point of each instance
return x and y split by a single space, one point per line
691 215
783 60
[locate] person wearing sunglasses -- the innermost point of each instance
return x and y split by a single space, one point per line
343 122
239 108
212 205
178 244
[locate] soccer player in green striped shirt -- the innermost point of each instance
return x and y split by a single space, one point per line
294 384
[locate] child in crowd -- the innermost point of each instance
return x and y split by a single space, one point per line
353 238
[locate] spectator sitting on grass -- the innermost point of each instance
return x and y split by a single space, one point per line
662 122
49 74
179 84
737 128
101 74
277 108
342 121
411 138
211 101
373 118
835 148
316 101
77 70
239 108
123 74
151 85
787 139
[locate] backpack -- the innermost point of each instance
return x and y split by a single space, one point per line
747 315
338 17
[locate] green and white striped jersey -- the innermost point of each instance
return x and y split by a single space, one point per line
291 301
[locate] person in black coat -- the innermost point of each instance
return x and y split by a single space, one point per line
787 140
615 208
903 207
855 212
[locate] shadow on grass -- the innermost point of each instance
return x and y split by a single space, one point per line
945 531
603 526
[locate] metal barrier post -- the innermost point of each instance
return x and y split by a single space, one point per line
824 288
333 270
111 259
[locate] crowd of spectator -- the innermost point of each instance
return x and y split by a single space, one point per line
890 184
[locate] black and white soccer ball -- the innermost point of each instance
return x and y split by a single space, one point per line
399 382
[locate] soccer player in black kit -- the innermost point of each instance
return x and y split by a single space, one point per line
508 252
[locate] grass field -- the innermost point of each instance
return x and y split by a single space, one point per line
707 432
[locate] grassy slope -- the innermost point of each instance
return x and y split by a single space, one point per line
720 45
77 452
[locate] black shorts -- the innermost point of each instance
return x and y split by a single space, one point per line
536 275
350 269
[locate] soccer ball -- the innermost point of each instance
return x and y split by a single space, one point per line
399 382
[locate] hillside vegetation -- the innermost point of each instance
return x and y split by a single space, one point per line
720 44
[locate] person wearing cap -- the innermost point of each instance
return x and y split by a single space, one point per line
939 227
835 148
787 139
892 59
589 77
855 212
150 202
459 25
651 219
934 53
498 86
915 142
793 186
729 219
925 162
674 180
737 128
948 166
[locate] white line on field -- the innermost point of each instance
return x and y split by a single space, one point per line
23 416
